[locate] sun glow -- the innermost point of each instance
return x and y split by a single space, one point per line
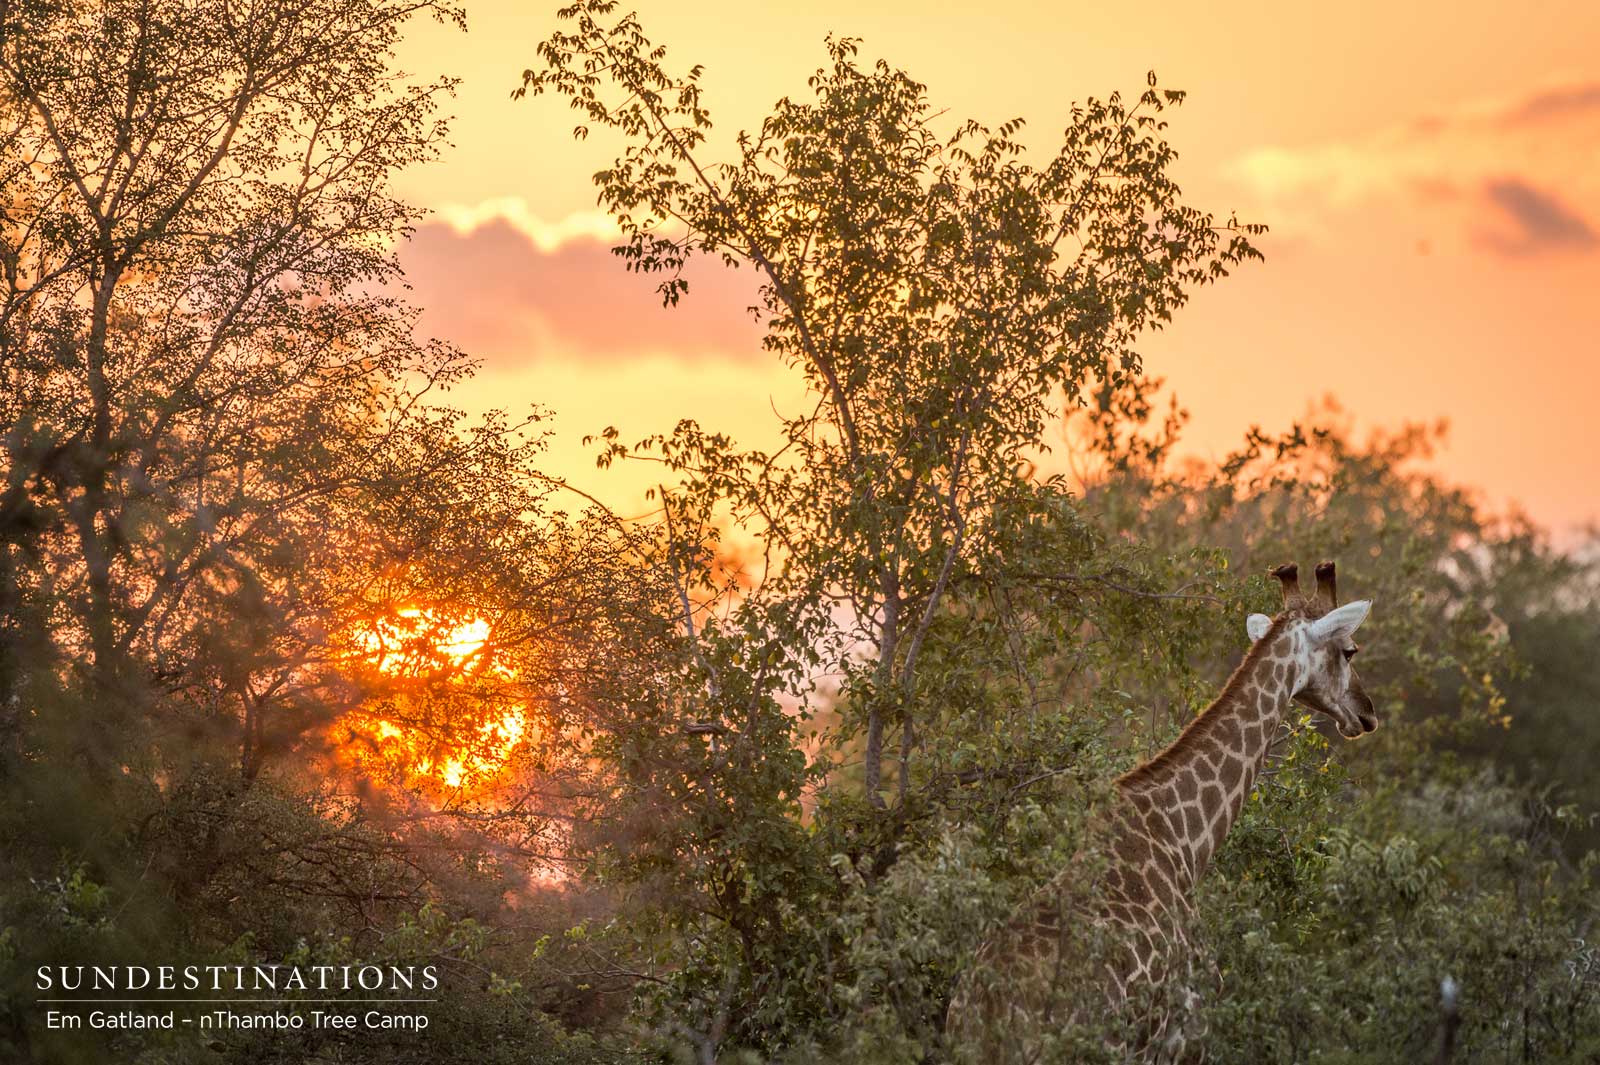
417 639
486 758
433 721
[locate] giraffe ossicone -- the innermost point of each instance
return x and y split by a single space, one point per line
1167 819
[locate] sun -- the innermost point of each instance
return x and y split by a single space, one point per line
443 714
417 639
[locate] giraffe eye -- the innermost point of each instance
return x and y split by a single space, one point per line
1350 652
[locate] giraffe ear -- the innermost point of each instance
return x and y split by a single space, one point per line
1339 625
1257 625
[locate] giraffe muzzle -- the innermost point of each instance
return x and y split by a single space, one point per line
1365 714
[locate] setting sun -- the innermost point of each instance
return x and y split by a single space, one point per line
427 656
414 639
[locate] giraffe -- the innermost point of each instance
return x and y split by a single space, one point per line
1167 818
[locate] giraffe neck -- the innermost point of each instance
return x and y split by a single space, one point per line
1200 782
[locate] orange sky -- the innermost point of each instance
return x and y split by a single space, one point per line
1431 173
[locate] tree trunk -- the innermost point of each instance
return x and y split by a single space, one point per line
888 646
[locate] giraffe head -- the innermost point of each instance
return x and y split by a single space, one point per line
1321 643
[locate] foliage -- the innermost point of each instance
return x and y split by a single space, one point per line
1466 884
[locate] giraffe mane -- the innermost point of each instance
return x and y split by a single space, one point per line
1197 729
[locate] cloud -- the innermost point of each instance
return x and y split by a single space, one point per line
514 211
1445 172
1558 102
514 290
1541 221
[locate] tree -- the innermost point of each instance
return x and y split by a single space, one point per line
941 295
936 290
204 370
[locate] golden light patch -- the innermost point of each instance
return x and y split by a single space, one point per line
432 721
417 639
